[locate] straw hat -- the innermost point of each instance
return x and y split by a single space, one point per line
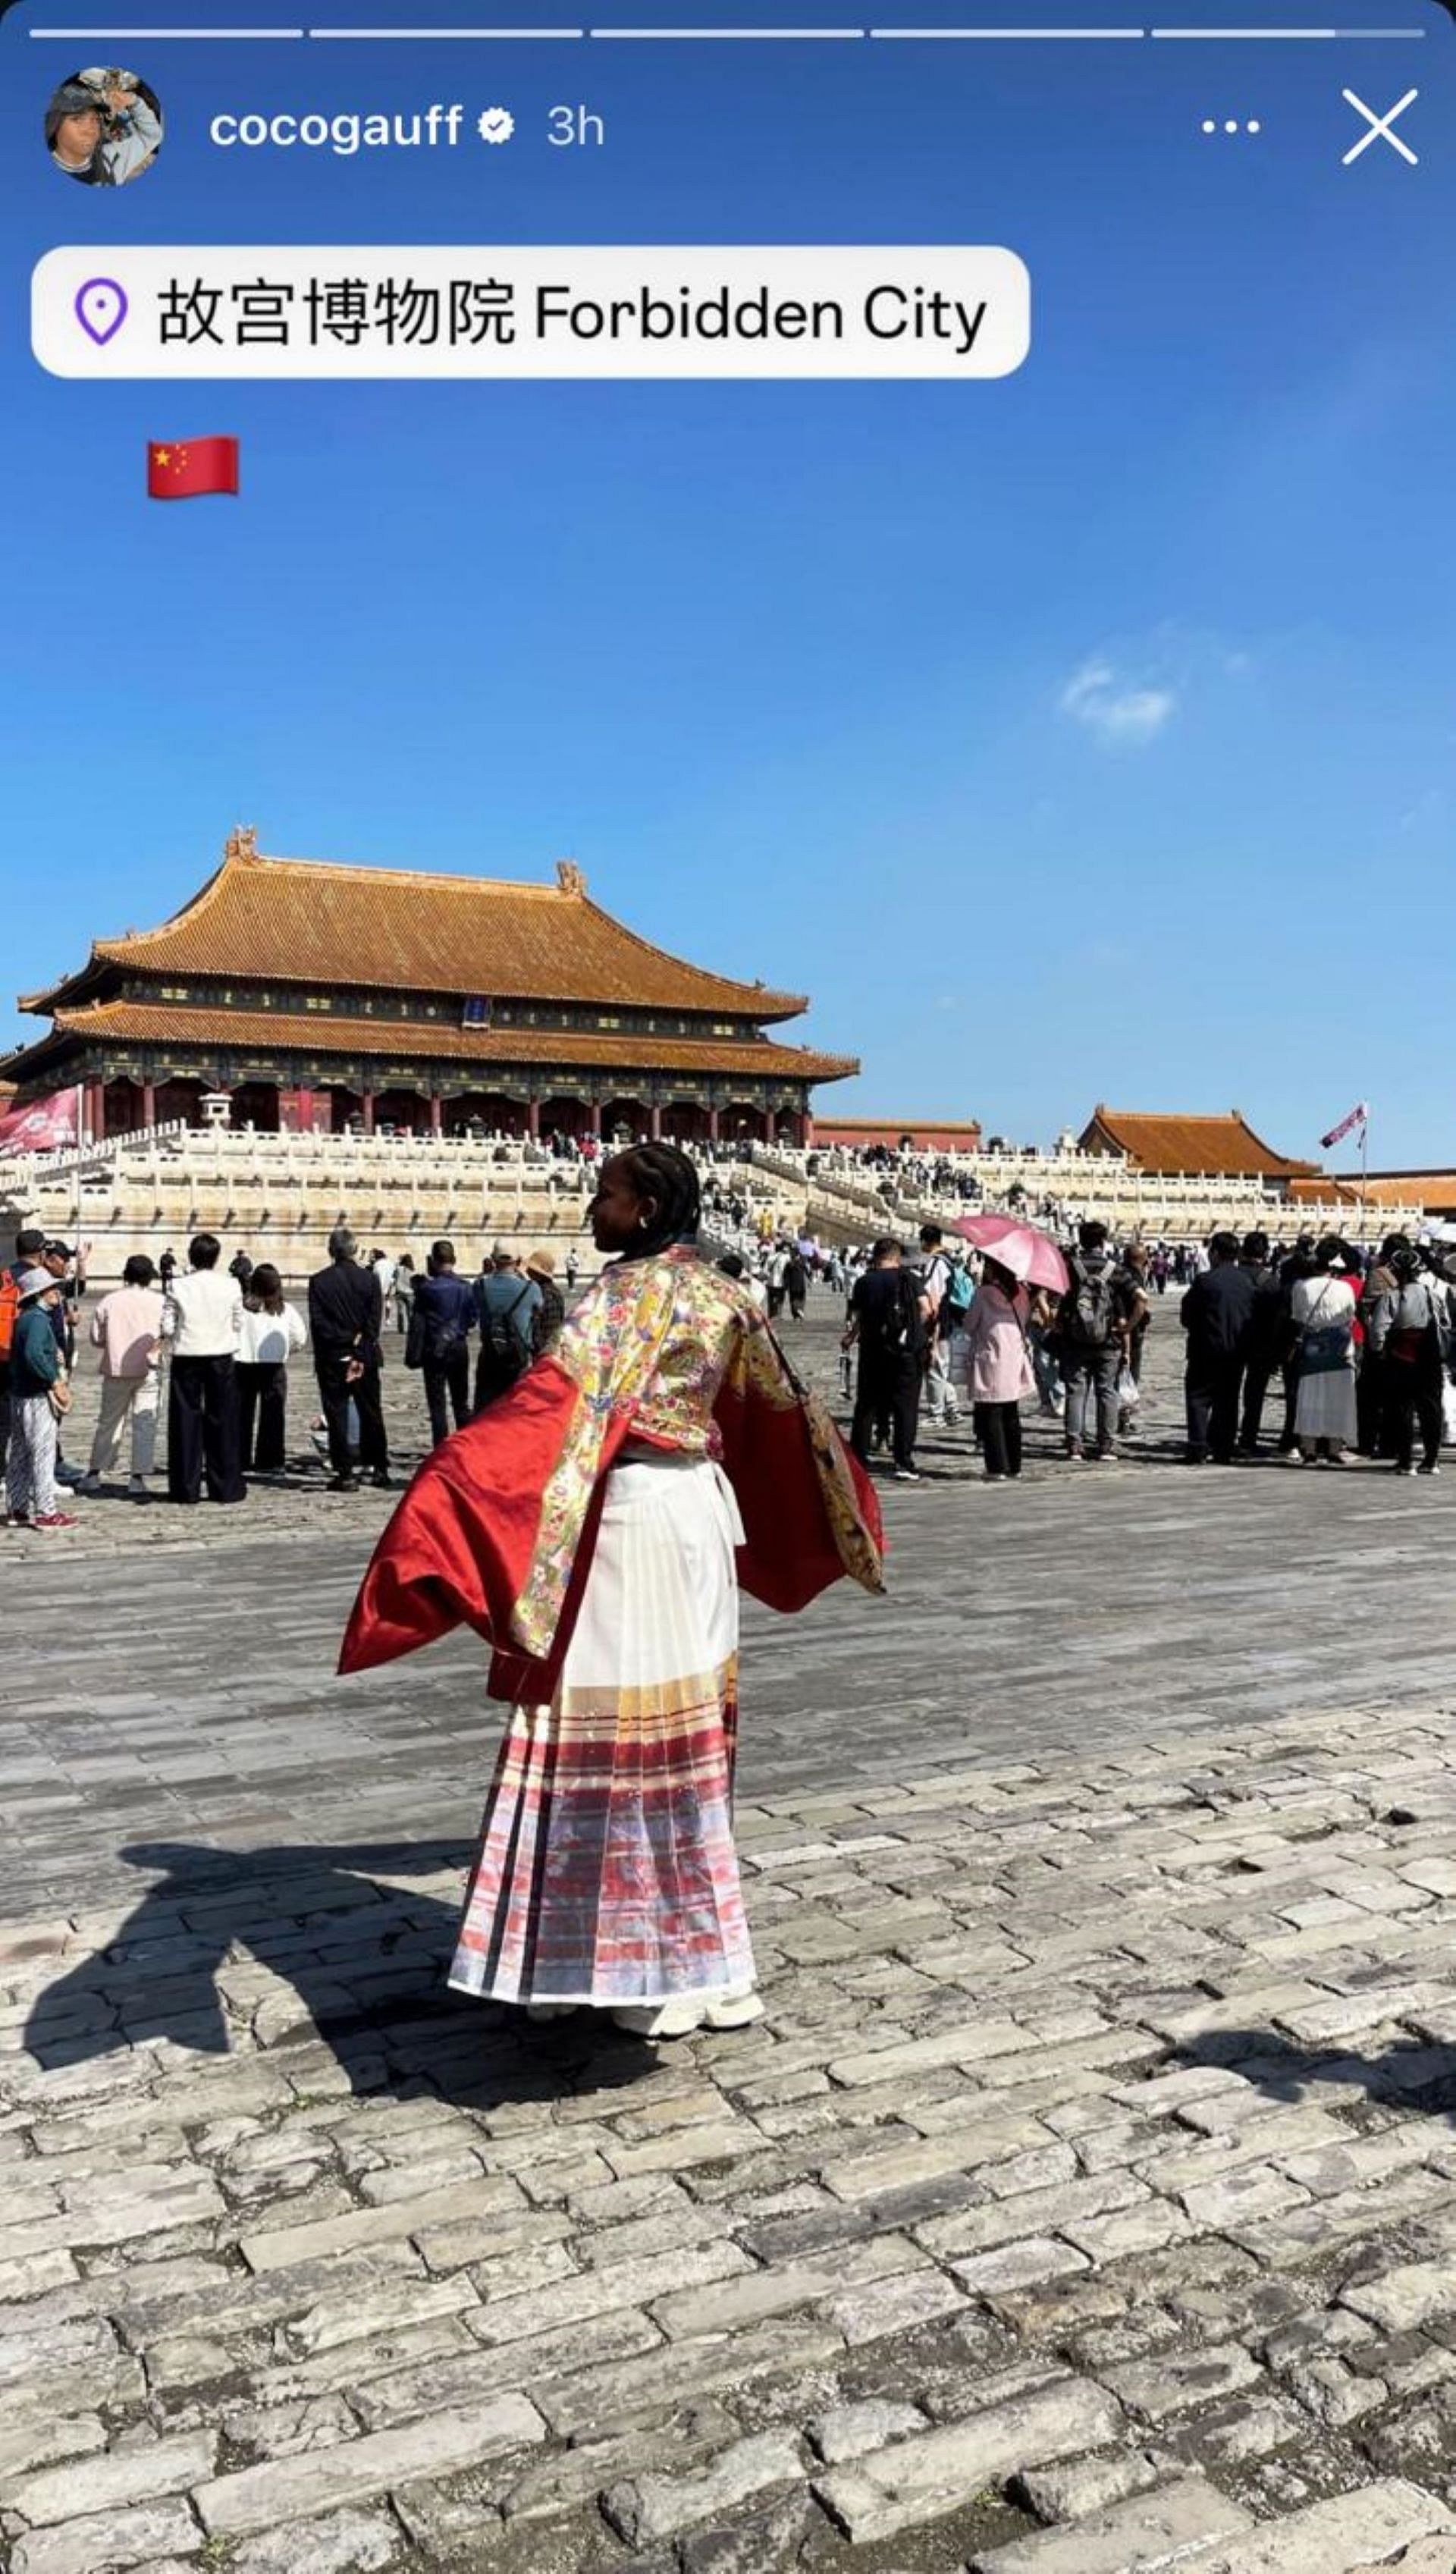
542 1263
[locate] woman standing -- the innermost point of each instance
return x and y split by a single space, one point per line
999 1369
272 1330
1408 1324
1322 1310
587 1525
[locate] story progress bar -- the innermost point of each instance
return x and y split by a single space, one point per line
734 35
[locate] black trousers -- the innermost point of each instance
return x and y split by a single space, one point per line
262 1414
1210 1388
887 1389
449 1376
998 1428
1257 1373
1372 1406
202 1430
495 1375
335 1394
1413 1393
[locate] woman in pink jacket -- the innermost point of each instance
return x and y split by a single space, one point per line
998 1367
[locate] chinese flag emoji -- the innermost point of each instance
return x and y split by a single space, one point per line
187 469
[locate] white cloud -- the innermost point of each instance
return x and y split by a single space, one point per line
1118 709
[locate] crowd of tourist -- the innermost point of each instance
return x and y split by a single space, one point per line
1362 1352
1322 1352
228 1337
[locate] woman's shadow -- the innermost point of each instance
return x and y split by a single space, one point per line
352 1962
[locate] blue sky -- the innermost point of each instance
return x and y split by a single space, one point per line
1087 735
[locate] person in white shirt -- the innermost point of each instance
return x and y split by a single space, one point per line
202 1325
272 1330
126 1327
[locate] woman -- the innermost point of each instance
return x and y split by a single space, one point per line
1408 1322
1322 1311
272 1330
999 1369
586 1527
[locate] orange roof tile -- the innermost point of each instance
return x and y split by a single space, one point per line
281 1033
1227 1146
295 920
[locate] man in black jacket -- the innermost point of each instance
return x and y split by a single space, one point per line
1216 1313
346 1314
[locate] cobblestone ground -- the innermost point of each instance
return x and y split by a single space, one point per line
1085 2204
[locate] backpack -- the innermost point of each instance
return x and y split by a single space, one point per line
9 1313
959 1289
497 1335
898 1323
1085 1320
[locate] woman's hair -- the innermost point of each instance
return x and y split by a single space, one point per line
995 1274
1331 1253
659 1171
139 1271
265 1290
203 1250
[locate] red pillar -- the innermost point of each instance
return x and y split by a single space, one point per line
437 1114
593 1117
149 1103
92 1111
655 1123
367 1097
532 1119
712 1125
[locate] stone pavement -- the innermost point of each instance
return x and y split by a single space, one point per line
1086 2200
1085 2204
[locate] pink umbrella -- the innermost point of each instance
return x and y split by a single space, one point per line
1019 1247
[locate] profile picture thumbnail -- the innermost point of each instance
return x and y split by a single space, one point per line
103 128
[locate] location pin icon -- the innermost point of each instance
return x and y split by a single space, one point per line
101 308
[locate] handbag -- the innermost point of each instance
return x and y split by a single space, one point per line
58 1396
1325 1346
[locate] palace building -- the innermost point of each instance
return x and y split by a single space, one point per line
344 1000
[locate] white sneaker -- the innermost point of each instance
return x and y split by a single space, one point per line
734 2010
662 2019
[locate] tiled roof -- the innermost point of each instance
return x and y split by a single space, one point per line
1227 1146
292 921
281 1033
1433 1190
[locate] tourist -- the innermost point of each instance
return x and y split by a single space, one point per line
1264 1344
68 1269
1407 1331
39 1393
385 1270
796 1282
272 1330
241 1268
167 1269
1322 1313
888 1321
999 1368
573 1270
442 1318
552 1312
507 1306
404 1290
1089 1346
346 1315
1299 1263
126 1329
605 1874
1133 1293
1216 1313
1370 1407
938 1390
202 1324
776 1276
29 1244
